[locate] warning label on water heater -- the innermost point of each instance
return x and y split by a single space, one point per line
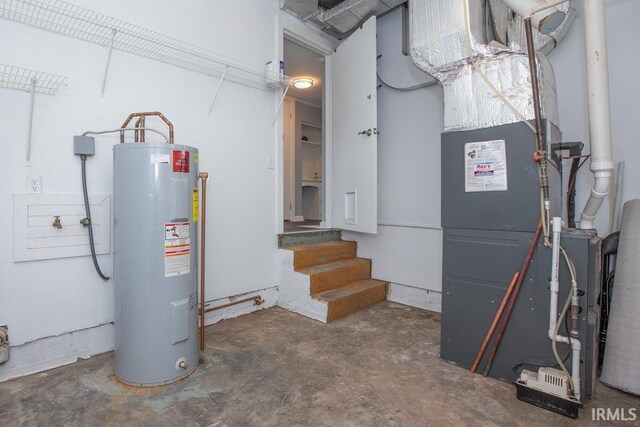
177 249
485 166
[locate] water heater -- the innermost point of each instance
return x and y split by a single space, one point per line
155 262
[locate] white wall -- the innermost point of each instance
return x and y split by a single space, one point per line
50 298
409 148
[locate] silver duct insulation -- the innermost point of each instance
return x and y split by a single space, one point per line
341 18
448 41
438 34
471 104
621 366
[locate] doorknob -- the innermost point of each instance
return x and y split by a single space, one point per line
367 132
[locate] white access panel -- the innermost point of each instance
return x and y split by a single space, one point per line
35 237
355 132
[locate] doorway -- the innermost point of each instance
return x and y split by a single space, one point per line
304 140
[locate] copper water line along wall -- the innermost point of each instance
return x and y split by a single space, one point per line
203 227
147 114
257 301
541 153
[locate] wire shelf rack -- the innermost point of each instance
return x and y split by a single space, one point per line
85 24
24 79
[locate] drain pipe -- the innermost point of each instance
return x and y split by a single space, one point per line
599 111
554 288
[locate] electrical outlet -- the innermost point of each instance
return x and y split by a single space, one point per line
34 185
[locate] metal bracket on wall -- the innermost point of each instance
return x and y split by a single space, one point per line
106 67
215 95
33 82
32 96
275 116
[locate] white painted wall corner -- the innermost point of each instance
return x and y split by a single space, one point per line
415 297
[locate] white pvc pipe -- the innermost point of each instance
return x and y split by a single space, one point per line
545 17
575 367
576 346
599 110
554 285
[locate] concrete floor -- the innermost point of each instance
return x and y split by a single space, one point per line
377 367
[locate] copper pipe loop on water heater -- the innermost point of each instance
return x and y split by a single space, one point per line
141 122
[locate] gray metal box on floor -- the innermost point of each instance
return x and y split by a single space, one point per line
478 266
490 210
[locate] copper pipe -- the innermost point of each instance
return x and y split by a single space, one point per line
514 298
496 318
541 153
147 114
143 121
257 301
203 233
139 134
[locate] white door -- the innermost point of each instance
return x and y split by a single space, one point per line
355 140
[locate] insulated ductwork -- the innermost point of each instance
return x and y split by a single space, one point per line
343 17
543 18
485 84
471 104
447 34
508 28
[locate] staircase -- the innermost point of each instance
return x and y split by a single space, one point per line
324 279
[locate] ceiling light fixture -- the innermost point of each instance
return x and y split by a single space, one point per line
302 82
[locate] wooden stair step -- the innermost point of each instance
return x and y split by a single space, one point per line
325 277
353 297
305 256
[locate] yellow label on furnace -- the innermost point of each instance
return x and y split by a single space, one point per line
196 205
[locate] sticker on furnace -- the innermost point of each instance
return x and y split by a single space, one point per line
485 166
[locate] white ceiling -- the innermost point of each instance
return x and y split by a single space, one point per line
302 62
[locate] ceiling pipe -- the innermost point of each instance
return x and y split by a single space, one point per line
599 111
